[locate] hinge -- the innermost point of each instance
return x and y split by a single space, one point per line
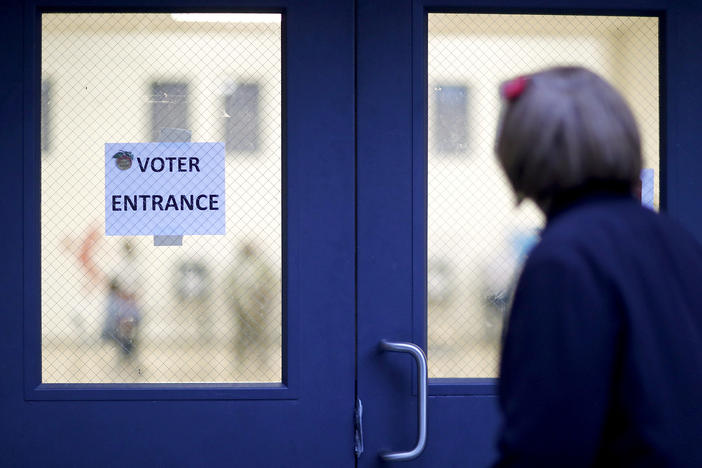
358 428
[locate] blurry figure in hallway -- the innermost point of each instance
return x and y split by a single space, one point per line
252 291
123 312
500 275
193 286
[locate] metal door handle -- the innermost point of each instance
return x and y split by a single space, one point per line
421 359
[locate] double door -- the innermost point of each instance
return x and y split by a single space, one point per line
360 188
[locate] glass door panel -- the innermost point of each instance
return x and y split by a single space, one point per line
121 308
477 237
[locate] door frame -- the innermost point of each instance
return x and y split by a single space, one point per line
681 101
421 10
288 388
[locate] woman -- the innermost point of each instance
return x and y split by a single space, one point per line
602 355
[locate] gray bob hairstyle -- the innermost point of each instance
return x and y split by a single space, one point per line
563 129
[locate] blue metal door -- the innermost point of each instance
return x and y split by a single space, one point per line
354 246
400 97
61 409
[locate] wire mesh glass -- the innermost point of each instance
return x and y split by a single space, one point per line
119 308
477 238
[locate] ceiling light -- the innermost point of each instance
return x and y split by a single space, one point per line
227 17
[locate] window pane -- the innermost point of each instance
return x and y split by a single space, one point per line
119 308
477 239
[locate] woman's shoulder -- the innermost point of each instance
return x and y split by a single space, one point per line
614 229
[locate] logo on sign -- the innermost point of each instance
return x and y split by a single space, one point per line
123 159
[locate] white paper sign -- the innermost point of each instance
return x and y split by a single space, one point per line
164 189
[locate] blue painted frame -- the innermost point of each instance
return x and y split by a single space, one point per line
41 431
34 388
421 10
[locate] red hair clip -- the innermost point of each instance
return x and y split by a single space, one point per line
512 89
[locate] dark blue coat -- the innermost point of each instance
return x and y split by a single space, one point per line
602 356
